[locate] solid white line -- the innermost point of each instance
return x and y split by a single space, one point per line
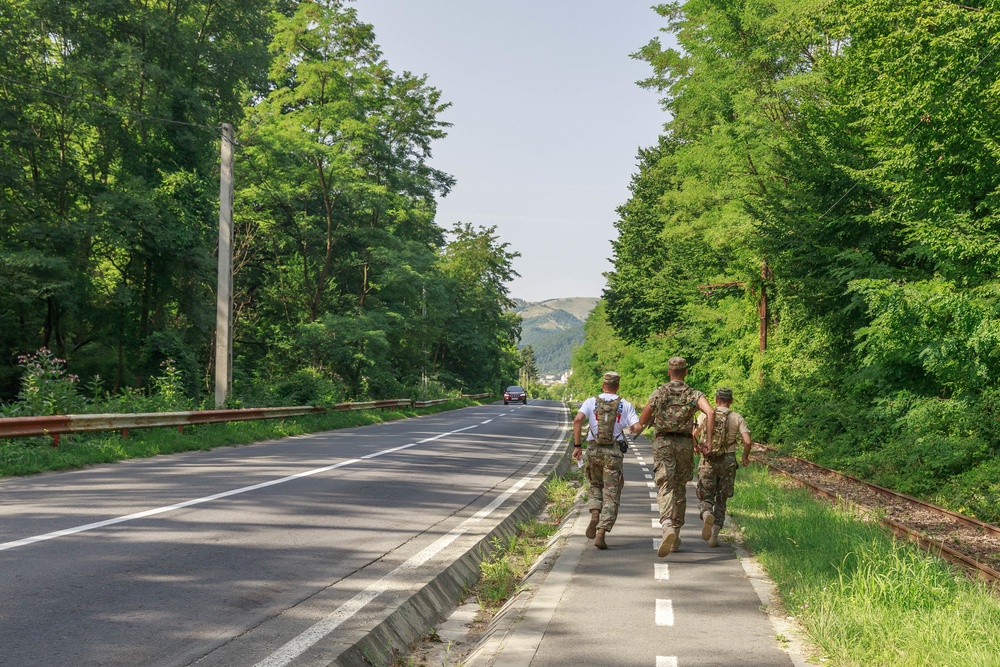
666 661
664 612
300 644
218 496
661 571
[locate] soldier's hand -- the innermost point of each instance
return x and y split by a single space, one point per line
577 453
745 462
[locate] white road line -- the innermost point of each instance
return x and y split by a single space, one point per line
648 476
652 494
299 645
651 485
664 612
656 543
217 496
653 507
486 422
656 522
666 661
645 469
661 571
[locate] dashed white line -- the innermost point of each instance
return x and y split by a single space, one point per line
651 485
486 422
653 507
652 494
666 661
648 476
656 522
217 496
656 543
664 612
661 571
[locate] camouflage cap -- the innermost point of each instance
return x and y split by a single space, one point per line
677 364
725 394
612 378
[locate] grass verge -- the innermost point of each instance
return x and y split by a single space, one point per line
502 573
26 456
863 597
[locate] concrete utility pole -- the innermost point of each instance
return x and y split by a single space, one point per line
224 295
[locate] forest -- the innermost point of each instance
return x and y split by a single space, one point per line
818 227
346 287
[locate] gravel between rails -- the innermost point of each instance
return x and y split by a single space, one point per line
980 544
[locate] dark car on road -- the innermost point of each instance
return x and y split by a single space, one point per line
515 393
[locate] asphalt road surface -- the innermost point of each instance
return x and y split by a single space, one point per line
217 557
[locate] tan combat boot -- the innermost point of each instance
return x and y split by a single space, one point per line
599 539
595 516
706 529
677 539
669 538
714 541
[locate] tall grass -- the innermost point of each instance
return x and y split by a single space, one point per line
864 598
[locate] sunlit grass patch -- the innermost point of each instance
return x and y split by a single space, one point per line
863 597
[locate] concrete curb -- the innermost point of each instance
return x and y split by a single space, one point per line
408 615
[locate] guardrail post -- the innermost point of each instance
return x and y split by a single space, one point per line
55 439
124 434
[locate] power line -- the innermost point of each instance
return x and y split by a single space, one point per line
923 117
106 107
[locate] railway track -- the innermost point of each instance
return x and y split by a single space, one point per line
968 543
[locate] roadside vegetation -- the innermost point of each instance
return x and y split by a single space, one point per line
502 572
863 597
837 159
345 285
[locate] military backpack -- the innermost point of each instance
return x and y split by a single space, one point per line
675 413
722 438
607 411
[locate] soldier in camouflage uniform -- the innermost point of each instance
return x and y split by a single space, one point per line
717 470
607 416
671 409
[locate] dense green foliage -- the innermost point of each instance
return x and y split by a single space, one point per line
345 285
840 157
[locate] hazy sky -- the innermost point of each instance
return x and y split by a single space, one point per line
547 121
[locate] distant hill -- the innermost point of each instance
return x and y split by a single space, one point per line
553 328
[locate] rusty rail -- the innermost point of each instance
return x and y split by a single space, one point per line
57 425
978 569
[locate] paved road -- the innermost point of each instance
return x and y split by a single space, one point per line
219 557
626 607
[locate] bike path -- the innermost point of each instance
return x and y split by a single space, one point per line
625 606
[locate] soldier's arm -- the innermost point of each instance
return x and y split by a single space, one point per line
577 428
747 445
644 419
706 407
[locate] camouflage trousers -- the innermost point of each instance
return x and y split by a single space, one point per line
673 463
716 484
603 467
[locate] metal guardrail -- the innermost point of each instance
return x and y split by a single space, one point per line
57 425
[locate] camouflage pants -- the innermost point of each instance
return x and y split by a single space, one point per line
716 484
673 463
603 467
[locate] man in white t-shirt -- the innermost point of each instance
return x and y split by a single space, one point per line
607 415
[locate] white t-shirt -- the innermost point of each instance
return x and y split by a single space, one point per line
626 416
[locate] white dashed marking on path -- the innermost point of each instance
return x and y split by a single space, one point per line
666 661
661 571
648 476
656 522
664 613
652 494
653 507
651 485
